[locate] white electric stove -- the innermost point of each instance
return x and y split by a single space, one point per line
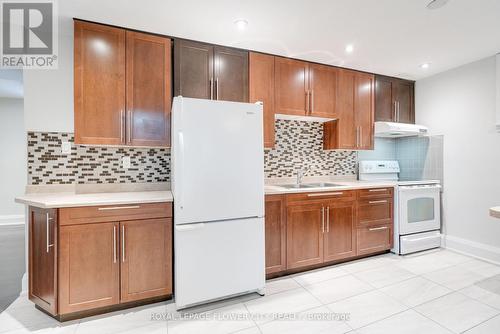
417 204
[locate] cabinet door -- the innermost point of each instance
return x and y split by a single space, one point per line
146 259
42 258
364 108
346 129
99 84
89 273
304 230
403 95
231 74
193 69
384 102
323 86
261 88
275 234
340 231
292 87
148 89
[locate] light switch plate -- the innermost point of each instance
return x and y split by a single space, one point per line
126 162
66 147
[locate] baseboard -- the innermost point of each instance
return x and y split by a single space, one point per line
8 220
472 248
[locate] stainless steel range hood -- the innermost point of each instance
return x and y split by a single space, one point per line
396 130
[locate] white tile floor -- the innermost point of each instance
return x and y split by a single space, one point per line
432 292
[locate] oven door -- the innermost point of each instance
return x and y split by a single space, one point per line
419 208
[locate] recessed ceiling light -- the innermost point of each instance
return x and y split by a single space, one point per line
424 66
349 48
241 24
436 4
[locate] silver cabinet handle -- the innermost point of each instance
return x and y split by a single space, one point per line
114 244
119 207
122 116
47 228
129 126
211 88
217 88
398 112
325 194
378 228
307 102
360 136
123 243
323 219
395 112
328 219
312 100
375 190
377 202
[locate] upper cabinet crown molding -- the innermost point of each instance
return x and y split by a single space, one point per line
122 86
210 72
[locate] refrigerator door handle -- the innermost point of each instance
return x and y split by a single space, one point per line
189 227
181 168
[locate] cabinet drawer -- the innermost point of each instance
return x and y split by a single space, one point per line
375 211
376 192
334 194
108 213
374 239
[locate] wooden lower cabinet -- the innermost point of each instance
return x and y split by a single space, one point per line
89 268
97 258
145 266
304 231
275 232
374 239
340 232
326 227
42 258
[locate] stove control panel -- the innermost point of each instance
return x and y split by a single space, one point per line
378 167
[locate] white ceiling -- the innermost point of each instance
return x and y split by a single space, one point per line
392 37
11 84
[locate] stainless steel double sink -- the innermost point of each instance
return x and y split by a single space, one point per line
310 185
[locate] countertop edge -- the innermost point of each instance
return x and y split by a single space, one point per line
277 190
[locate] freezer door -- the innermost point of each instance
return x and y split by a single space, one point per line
218 259
217 160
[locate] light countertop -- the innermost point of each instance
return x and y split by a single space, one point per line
275 189
495 212
72 199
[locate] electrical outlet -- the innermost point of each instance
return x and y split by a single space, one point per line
66 147
126 162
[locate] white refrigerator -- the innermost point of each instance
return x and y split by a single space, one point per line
218 186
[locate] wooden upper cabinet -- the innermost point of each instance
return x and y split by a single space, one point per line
304 234
323 90
231 74
122 85
355 110
146 259
89 267
394 100
275 233
291 87
148 90
340 231
404 97
193 69
384 103
210 72
99 84
42 258
364 108
261 88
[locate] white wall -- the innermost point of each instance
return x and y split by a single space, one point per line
48 94
461 104
13 159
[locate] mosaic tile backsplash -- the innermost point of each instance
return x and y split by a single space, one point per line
87 164
299 145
